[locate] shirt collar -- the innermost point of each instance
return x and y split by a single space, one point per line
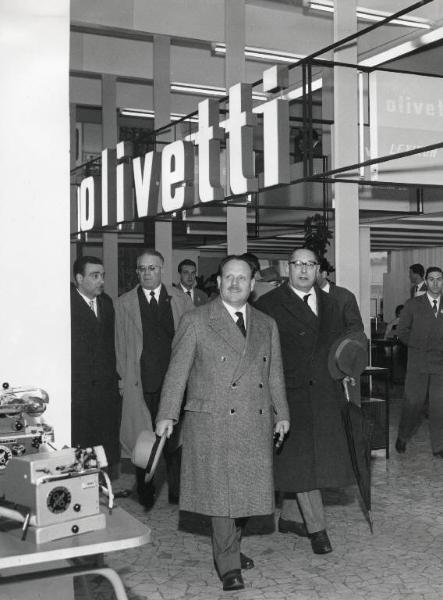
231 310
156 292
431 299
300 293
186 290
86 299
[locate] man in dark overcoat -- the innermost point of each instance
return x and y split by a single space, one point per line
227 355
95 399
315 454
421 329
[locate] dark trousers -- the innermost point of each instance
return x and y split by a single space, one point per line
226 537
417 387
171 453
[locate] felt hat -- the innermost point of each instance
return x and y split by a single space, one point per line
348 355
147 451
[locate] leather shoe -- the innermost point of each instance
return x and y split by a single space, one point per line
246 562
232 580
320 542
400 446
439 454
299 529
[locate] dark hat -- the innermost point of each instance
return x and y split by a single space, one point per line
348 355
147 451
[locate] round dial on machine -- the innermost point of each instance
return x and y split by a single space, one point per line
5 455
59 499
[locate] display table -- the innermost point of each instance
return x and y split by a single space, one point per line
34 572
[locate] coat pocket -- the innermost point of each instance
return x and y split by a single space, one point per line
199 405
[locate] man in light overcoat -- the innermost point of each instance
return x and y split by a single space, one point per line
146 318
421 329
227 354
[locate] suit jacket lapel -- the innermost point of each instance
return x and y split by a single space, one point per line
222 322
295 305
133 308
254 333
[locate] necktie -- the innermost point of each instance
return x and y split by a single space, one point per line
91 306
305 300
241 323
153 303
434 308
189 293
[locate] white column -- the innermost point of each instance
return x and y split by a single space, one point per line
346 150
365 278
34 211
162 108
109 140
236 217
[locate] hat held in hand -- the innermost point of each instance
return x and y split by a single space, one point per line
147 452
348 355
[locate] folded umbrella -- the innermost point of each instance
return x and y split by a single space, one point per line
358 436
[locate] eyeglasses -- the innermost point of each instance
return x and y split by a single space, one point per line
146 268
299 264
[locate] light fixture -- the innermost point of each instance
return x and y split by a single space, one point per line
150 114
402 49
260 54
316 84
367 14
207 90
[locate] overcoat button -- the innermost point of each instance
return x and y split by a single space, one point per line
232 411
261 411
223 358
260 385
234 384
265 358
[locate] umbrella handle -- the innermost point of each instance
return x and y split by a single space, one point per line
345 386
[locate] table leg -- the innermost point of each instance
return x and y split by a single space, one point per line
57 584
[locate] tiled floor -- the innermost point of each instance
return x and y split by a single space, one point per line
402 560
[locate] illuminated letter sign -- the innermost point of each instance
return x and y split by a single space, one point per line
146 184
240 127
89 216
177 176
109 216
125 207
208 140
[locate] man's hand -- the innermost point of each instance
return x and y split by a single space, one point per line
281 428
349 380
166 425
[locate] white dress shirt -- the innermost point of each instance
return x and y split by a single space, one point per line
91 302
231 310
156 293
312 300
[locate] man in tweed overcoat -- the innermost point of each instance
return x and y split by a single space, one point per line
235 402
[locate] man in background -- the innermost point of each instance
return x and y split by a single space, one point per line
349 311
146 318
416 274
95 399
227 355
315 454
188 273
421 329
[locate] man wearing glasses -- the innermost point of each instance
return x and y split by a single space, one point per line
146 318
314 455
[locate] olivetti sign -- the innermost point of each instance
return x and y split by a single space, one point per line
162 182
